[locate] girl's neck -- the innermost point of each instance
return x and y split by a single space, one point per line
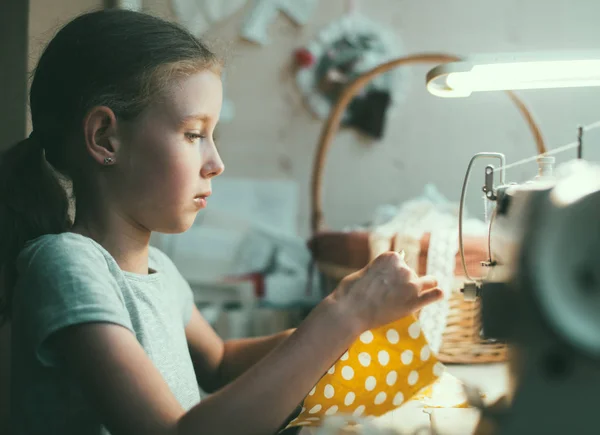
128 245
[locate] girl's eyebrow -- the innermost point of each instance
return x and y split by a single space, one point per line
196 117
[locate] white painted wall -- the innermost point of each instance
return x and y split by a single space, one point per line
428 139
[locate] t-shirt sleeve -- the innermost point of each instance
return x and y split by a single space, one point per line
63 285
183 293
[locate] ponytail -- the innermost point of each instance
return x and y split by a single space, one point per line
32 203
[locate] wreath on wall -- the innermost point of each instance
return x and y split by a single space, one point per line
342 51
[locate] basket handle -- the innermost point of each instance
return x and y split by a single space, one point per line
335 115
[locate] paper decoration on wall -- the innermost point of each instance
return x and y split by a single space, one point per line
382 370
198 15
134 5
342 51
256 24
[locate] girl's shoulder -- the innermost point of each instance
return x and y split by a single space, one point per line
64 251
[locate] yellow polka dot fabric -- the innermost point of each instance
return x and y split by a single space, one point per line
383 369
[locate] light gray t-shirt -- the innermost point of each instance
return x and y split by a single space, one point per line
68 279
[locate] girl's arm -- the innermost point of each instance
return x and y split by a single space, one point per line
217 363
132 397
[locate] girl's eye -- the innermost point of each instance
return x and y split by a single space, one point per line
193 137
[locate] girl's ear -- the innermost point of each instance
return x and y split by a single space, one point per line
100 134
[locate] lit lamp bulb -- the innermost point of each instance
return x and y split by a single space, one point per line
460 79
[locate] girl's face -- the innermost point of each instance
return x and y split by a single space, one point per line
170 156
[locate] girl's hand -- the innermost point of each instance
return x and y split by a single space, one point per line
384 291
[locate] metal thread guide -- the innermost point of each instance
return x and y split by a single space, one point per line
580 142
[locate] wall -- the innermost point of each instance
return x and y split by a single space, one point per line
13 58
428 139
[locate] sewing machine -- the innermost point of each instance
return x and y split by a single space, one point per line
542 297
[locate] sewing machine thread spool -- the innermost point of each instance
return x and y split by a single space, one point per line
545 167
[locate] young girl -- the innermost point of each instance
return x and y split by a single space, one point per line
105 335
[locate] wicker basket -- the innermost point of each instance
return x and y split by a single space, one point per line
461 342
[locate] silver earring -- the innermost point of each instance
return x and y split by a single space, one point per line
108 160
